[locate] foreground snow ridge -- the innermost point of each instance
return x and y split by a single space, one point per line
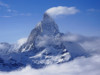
79 66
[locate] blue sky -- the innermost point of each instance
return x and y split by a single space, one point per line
19 17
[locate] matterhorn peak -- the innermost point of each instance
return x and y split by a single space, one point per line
46 27
45 37
47 18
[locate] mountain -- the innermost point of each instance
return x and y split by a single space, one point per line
46 27
44 46
47 34
4 48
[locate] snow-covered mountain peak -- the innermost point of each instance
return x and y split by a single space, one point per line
47 18
47 26
44 46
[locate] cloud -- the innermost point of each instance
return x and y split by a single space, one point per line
24 14
79 66
93 10
44 41
21 41
90 44
62 10
17 45
4 5
71 37
10 12
5 16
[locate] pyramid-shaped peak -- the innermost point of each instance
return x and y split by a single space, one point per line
46 15
47 18
48 25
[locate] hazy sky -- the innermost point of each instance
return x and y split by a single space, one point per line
19 17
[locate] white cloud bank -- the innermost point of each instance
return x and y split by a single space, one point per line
90 44
79 66
62 10
21 41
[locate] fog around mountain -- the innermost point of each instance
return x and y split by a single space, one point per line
47 51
